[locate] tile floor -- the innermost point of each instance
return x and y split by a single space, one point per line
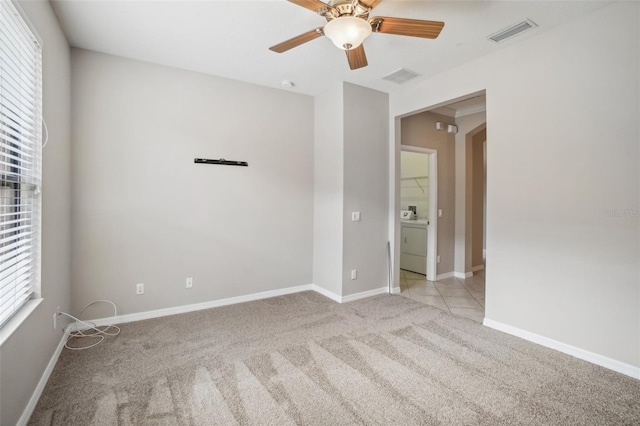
463 297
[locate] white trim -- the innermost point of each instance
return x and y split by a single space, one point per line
37 393
364 294
473 109
326 293
396 290
356 296
443 110
157 313
457 113
432 228
477 268
18 318
432 236
463 275
594 358
445 276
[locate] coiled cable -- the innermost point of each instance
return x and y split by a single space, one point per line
95 331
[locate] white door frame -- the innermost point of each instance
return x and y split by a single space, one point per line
432 228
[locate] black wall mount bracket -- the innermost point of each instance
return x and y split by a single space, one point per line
221 161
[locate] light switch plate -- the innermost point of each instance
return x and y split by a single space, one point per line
355 216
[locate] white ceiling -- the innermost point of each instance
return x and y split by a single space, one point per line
231 38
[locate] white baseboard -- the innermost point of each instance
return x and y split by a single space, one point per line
351 297
139 316
396 290
444 276
463 275
477 268
594 358
365 294
326 293
31 405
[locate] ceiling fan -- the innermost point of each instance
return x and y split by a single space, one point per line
348 24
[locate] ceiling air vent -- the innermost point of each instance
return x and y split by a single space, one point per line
401 76
513 30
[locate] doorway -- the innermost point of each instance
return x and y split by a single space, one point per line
475 194
418 210
457 131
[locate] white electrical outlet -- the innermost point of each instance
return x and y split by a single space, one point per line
438 259
439 212
355 216
140 288
354 274
189 282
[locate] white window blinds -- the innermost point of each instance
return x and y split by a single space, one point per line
20 160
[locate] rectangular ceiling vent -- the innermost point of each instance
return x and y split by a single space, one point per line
401 76
513 30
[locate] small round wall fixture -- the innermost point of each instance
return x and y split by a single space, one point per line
288 83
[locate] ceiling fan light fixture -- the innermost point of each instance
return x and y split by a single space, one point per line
347 32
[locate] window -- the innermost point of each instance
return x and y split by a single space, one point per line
20 161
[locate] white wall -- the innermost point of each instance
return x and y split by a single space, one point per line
143 212
413 164
24 356
414 182
562 108
328 190
365 188
351 174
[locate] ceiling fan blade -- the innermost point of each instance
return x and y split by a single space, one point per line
370 3
406 27
297 41
312 5
356 57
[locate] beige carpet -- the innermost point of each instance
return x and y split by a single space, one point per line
304 359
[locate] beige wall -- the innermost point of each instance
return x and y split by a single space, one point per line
24 356
420 130
477 200
554 102
143 212
468 125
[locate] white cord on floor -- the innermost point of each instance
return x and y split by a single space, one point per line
90 325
